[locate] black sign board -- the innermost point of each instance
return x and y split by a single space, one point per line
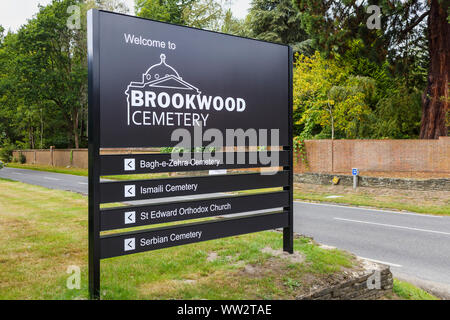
147 81
131 190
164 212
156 77
120 164
152 239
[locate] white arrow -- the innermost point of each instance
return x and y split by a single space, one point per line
129 191
129 244
129 164
130 217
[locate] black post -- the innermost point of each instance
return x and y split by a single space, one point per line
288 232
94 153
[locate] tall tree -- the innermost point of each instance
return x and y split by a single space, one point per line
163 10
43 76
334 24
9 130
277 21
435 98
204 14
52 66
232 25
110 5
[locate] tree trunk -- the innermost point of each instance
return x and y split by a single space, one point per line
75 130
435 97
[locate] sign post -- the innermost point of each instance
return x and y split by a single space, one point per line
355 174
94 153
226 100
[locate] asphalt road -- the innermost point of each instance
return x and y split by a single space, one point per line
416 246
47 179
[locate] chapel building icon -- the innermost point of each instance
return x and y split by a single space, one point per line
162 75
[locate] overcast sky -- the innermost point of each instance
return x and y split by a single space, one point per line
14 13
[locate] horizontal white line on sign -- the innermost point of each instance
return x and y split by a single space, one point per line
394 226
371 209
382 262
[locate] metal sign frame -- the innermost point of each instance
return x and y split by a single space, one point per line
117 244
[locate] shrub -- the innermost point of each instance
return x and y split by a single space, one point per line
22 158
6 152
300 150
71 158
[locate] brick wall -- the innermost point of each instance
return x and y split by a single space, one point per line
77 158
377 155
338 156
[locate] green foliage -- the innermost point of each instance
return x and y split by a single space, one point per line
328 98
22 158
352 98
109 5
398 114
6 151
234 26
334 24
408 291
359 64
166 150
43 77
71 158
369 88
291 283
181 150
277 21
205 14
300 150
163 10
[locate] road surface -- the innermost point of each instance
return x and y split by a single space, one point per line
416 246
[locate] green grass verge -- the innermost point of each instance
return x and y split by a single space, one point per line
74 171
361 200
45 231
84 172
371 201
408 291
